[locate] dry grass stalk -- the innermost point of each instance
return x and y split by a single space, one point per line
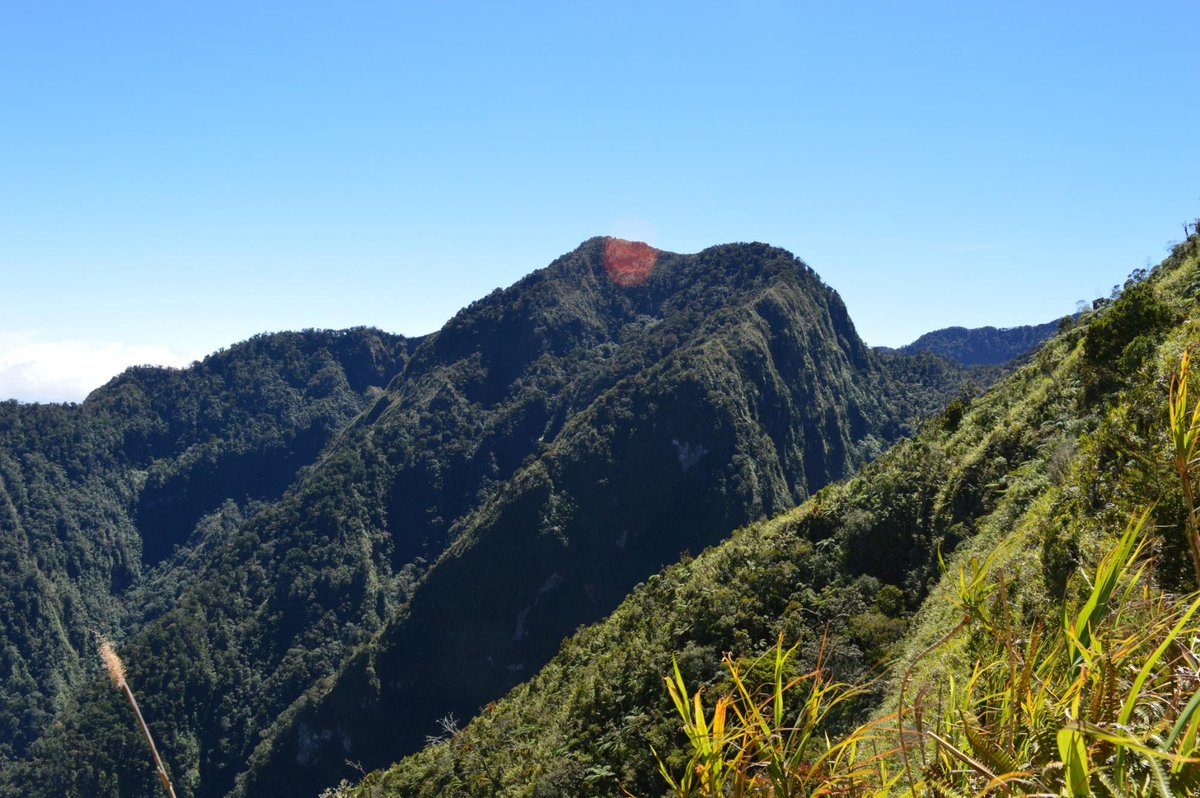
116 674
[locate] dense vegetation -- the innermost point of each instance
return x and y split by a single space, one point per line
92 496
270 535
1020 489
982 346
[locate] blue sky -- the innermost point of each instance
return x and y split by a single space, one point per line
175 177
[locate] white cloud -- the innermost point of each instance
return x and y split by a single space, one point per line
33 370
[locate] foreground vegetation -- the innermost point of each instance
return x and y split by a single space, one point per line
1105 703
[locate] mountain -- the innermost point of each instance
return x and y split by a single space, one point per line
1024 484
477 495
94 496
982 346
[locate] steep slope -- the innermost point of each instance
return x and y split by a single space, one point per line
555 443
769 396
1041 466
982 346
93 496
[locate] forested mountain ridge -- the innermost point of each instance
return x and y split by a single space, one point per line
1032 478
552 445
982 346
93 495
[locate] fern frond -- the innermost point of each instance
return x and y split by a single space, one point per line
987 751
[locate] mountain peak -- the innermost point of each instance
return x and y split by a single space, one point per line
628 263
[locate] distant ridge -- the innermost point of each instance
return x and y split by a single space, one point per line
982 346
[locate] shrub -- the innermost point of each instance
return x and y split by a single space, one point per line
1120 338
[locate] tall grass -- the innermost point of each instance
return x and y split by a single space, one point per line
1105 701
748 745
1102 704
1185 435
